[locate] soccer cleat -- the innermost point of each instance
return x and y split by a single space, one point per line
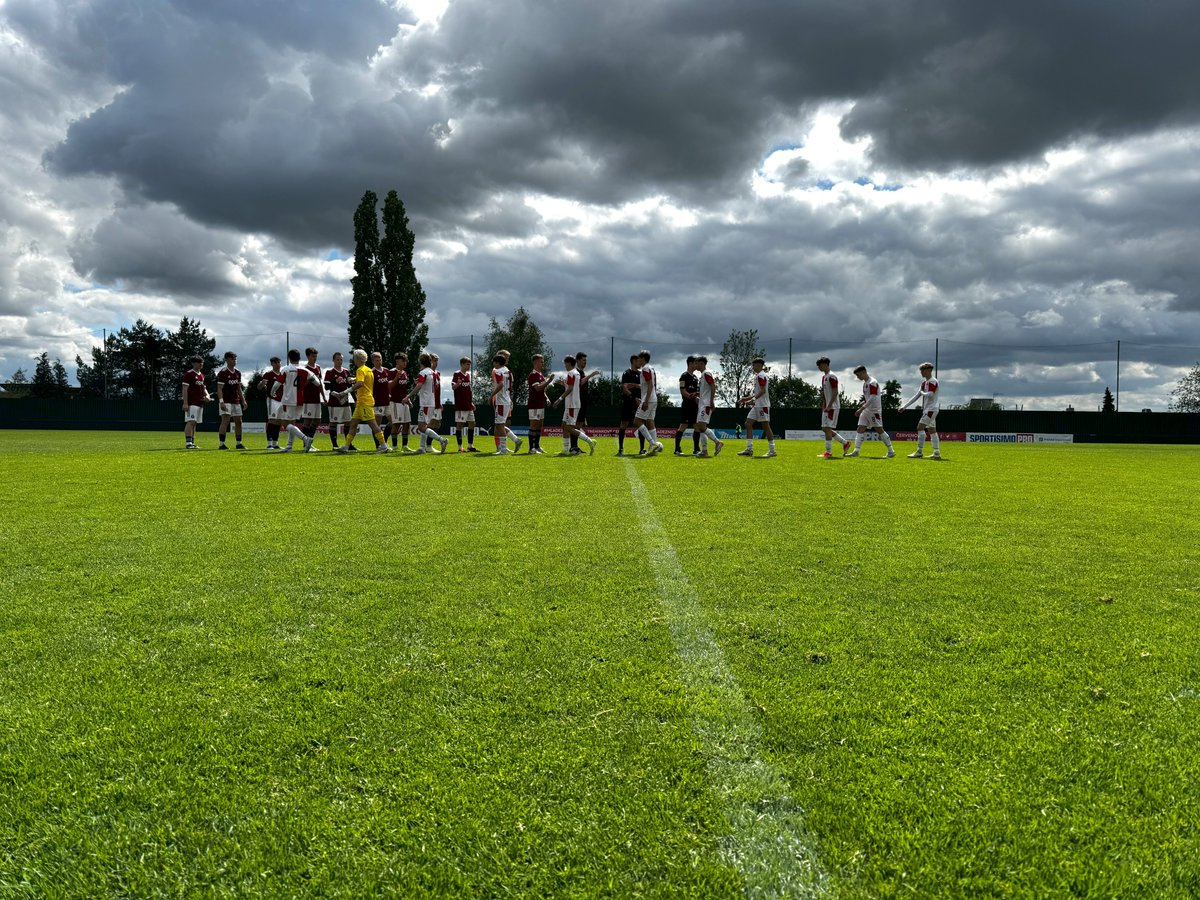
852 454
222 447
350 448
517 444
720 446
445 442
701 456
656 449
770 452
310 448
890 454
591 448
845 448
679 453
240 446
190 446
341 449
825 455
503 451
383 448
472 449
285 450
746 452
419 451
307 444
916 455
936 455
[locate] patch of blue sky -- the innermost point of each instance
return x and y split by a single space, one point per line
864 180
336 254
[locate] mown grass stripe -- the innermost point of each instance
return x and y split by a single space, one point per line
767 842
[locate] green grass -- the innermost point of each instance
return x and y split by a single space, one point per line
229 674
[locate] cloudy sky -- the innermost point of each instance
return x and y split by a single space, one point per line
1019 181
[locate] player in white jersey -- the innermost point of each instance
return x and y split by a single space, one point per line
759 401
707 401
571 401
831 403
649 406
870 412
930 403
425 389
502 404
295 378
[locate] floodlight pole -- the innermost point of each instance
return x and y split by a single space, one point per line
612 369
789 359
935 356
104 357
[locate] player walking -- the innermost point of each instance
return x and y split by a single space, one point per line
194 395
399 408
870 412
364 404
501 400
831 403
570 402
930 403
231 401
631 395
425 389
338 382
707 399
647 409
760 409
689 407
537 383
464 405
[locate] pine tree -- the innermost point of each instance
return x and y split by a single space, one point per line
43 377
140 352
189 340
1109 404
366 319
61 385
891 395
19 377
403 296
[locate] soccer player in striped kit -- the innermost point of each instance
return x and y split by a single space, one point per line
831 403
648 408
502 403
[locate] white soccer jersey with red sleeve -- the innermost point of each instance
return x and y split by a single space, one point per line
872 401
762 399
649 384
293 378
930 400
829 391
502 378
572 380
425 396
708 390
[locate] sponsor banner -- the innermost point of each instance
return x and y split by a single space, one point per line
802 435
943 435
1020 437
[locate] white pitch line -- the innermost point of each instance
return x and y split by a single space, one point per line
767 841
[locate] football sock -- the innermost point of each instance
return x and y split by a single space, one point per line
574 442
380 440
936 443
920 441
471 436
293 433
643 434
458 437
702 438
333 430
771 443
695 441
587 440
828 445
887 440
641 442
858 439
837 437
395 436
654 435
566 444
404 439
621 440
679 440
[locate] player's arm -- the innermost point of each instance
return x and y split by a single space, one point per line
913 399
646 390
183 395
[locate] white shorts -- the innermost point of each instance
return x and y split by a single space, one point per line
233 410
759 413
311 411
829 419
647 414
339 414
429 414
400 413
927 420
463 416
288 413
537 415
503 411
273 408
570 414
705 415
194 414
868 419
381 413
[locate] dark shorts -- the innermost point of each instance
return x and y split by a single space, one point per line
629 410
688 412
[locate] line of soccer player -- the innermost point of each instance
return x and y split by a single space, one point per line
374 395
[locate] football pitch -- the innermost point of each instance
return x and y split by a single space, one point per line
253 674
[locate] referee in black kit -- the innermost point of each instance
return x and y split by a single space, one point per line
689 407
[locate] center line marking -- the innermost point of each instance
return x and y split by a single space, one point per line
768 842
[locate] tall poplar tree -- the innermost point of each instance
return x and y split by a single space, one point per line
366 324
403 296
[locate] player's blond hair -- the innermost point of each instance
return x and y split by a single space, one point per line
359 356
